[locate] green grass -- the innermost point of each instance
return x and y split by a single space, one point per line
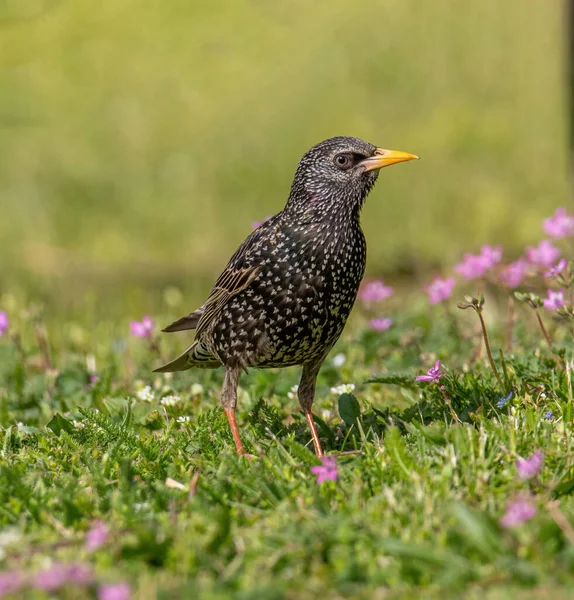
413 514
140 140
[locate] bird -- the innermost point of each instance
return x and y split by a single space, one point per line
284 297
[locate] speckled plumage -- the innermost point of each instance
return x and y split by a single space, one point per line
285 295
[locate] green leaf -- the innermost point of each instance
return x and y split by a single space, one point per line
59 424
349 409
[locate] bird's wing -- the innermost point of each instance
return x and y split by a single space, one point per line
190 321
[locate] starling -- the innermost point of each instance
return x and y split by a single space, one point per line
285 295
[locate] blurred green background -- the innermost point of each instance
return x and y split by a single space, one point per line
139 140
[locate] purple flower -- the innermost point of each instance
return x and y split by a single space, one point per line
548 415
517 512
380 324
114 591
10 582
472 267
257 224
542 255
491 255
375 291
514 272
328 470
142 328
59 574
560 225
555 300
432 375
530 467
96 536
4 323
503 401
440 289
557 268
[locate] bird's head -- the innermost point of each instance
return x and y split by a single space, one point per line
337 175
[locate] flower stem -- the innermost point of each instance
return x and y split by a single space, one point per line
488 352
510 324
548 340
448 403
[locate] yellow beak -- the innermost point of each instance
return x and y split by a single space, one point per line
385 158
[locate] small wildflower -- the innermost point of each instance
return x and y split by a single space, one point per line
183 419
339 360
143 328
196 389
530 467
292 395
432 375
170 401
146 394
548 415
440 289
96 536
491 255
94 379
555 300
557 268
542 255
257 224
10 582
114 591
504 401
78 424
344 388
327 470
560 225
517 512
514 272
375 291
472 266
59 574
380 324
4 323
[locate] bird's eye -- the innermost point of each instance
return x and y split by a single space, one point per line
343 161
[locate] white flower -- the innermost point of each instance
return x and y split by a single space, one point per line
170 400
339 360
146 394
293 393
79 424
196 389
183 419
344 388
325 414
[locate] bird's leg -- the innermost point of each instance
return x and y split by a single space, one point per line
229 400
306 393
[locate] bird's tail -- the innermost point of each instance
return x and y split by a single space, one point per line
193 357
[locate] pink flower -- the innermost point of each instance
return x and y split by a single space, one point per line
59 574
432 375
114 591
472 267
555 300
142 328
4 323
491 255
560 225
440 289
557 268
380 324
96 536
517 512
328 470
514 272
542 255
10 582
257 224
530 467
375 291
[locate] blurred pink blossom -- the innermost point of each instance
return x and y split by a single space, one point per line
530 467
555 300
375 291
543 255
60 574
10 582
517 512
4 323
96 536
560 225
432 375
472 266
328 470
513 273
557 268
143 328
114 591
381 323
440 289
491 255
